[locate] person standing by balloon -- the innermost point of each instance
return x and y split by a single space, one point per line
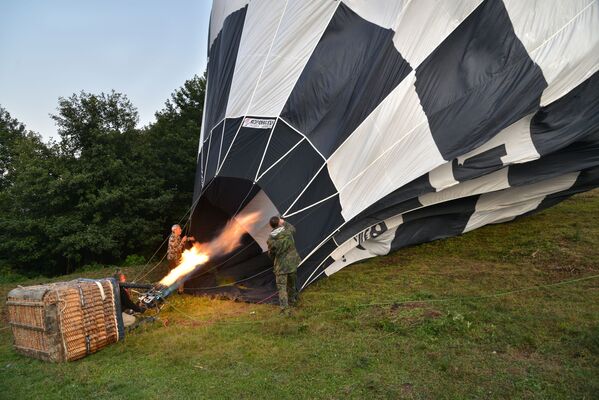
176 245
281 248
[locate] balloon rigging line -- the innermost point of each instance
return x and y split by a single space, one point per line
257 83
392 303
229 284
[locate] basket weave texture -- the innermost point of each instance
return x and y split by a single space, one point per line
64 321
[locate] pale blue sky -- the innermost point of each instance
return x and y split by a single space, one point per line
53 48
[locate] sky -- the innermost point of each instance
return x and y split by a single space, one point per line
143 48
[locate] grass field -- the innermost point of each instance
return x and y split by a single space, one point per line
429 322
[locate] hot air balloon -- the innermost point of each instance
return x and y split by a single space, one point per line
372 125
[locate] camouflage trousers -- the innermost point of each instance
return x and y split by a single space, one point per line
287 289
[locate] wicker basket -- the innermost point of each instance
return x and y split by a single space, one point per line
65 321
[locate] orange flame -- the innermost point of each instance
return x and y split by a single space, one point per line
227 241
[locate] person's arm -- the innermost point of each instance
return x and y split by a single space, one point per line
272 248
289 227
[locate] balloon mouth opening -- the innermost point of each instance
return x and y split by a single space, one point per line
245 273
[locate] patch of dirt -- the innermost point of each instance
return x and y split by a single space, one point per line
407 388
432 313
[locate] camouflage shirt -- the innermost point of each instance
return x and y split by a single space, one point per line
175 247
281 248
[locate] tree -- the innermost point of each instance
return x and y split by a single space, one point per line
174 138
27 202
11 131
105 190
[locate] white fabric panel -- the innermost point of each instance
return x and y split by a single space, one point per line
301 28
572 56
562 37
378 246
536 20
391 147
517 140
344 248
261 22
507 204
442 177
365 235
354 255
488 183
384 13
261 229
424 24
220 10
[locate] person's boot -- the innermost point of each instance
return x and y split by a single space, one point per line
285 311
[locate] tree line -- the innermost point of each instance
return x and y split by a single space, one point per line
102 191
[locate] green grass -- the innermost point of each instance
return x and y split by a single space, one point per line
362 334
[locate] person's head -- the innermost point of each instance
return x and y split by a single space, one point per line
176 229
119 276
276 221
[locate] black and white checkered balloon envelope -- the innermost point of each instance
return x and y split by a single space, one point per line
372 125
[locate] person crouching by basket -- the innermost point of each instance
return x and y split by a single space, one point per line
176 244
126 303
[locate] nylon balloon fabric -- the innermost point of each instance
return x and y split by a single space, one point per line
375 125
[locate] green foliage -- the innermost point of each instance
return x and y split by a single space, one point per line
105 190
134 259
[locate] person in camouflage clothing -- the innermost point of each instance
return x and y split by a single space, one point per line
281 248
176 244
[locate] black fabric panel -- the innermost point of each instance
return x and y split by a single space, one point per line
221 65
308 265
231 194
204 155
207 220
376 218
457 206
436 222
321 187
231 127
417 187
478 81
403 199
200 170
284 182
352 69
215 142
587 180
429 229
308 271
314 225
576 157
565 120
404 206
245 153
479 165
282 140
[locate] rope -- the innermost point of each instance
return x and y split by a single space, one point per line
486 296
446 300
266 298
141 273
229 284
151 269
214 321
